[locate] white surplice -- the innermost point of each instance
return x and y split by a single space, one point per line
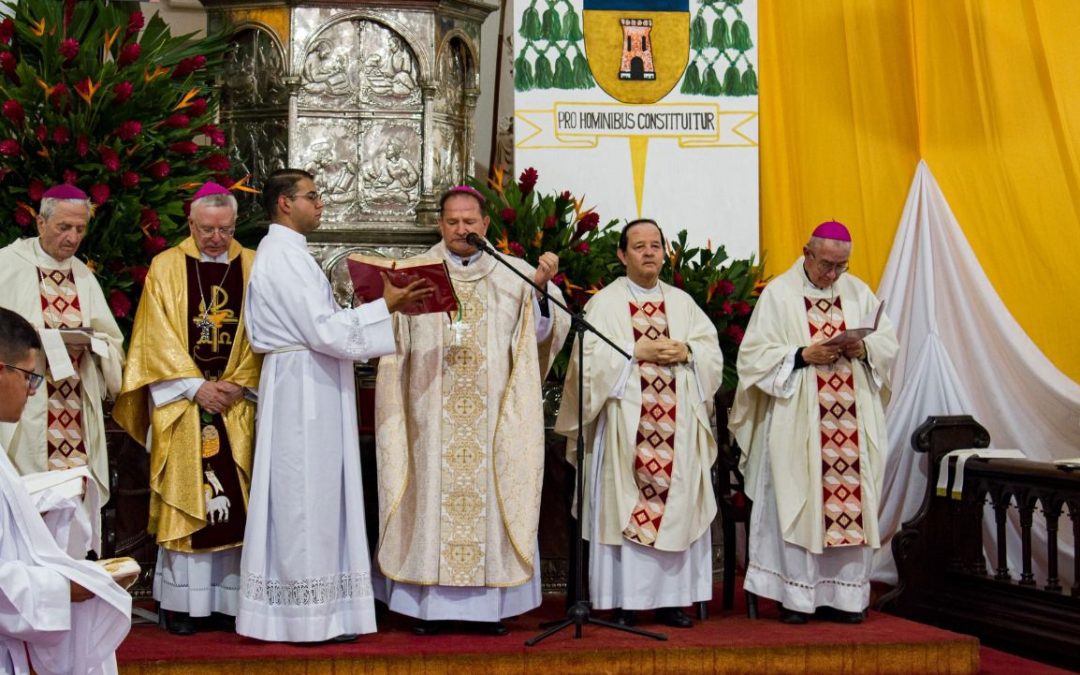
36 612
677 571
99 371
305 567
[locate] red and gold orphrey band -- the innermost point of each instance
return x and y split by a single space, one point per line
654 460
65 445
841 483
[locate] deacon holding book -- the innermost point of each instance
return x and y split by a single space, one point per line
43 281
57 615
305 566
649 438
809 417
460 437
188 395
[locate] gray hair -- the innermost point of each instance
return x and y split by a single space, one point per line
216 200
815 243
49 204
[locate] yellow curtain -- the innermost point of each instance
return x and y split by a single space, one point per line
855 92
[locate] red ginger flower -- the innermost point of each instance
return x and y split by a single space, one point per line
119 303
198 107
177 121
216 135
184 148
138 274
517 249
10 147
82 145
128 55
109 158
99 193
61 136
7 30
35 190
69 49
159 169
508 215
128 130
135 23
217 163
527 180
14 112
129 179
155 244
122 91
22 218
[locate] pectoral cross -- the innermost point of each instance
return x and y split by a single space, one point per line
205 325
460 329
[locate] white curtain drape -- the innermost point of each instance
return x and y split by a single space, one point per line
961 352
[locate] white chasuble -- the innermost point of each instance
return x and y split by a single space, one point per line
777 415
63 423
305 566
460 435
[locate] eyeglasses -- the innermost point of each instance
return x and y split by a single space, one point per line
313 197
211 231
33 380
824 266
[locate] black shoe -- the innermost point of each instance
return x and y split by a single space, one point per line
626 617
179 623
674 617
422 627
497 628
218 622
792 617
840 616
343 638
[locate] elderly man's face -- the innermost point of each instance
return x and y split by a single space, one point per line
212 228
461 216
826 261
644 254
62 233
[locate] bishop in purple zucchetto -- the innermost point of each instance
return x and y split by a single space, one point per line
210 188
64 191
831 229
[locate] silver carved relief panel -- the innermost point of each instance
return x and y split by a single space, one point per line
327 149
449 157
391 152
254 72
359 63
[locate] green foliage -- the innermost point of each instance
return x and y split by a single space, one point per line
92 97
526 224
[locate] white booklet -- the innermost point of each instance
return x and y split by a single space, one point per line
853 335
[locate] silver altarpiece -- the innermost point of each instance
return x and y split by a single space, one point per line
376 99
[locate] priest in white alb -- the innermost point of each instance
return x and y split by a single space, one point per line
305 567
460 437
43 281
809 417
58 615
649 441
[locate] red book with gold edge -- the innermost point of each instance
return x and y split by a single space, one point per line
366 273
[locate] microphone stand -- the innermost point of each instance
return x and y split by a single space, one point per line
580 612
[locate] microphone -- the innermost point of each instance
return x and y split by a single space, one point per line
478 242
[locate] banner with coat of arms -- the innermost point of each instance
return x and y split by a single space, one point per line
648 107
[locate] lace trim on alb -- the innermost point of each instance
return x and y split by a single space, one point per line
306 592
357 345
820 582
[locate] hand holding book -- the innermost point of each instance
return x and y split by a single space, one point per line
412 286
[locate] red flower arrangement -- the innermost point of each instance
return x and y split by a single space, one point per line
82 102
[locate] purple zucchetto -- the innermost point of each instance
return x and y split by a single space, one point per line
210 188
831 229
64 191
466 190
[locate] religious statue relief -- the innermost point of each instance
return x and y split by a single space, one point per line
325 72
389 73
390 177
336 178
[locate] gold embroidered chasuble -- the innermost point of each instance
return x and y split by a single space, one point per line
629 417
784 431
460 434
160 351
39 288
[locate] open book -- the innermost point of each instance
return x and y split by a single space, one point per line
366 273
124 571
853 335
